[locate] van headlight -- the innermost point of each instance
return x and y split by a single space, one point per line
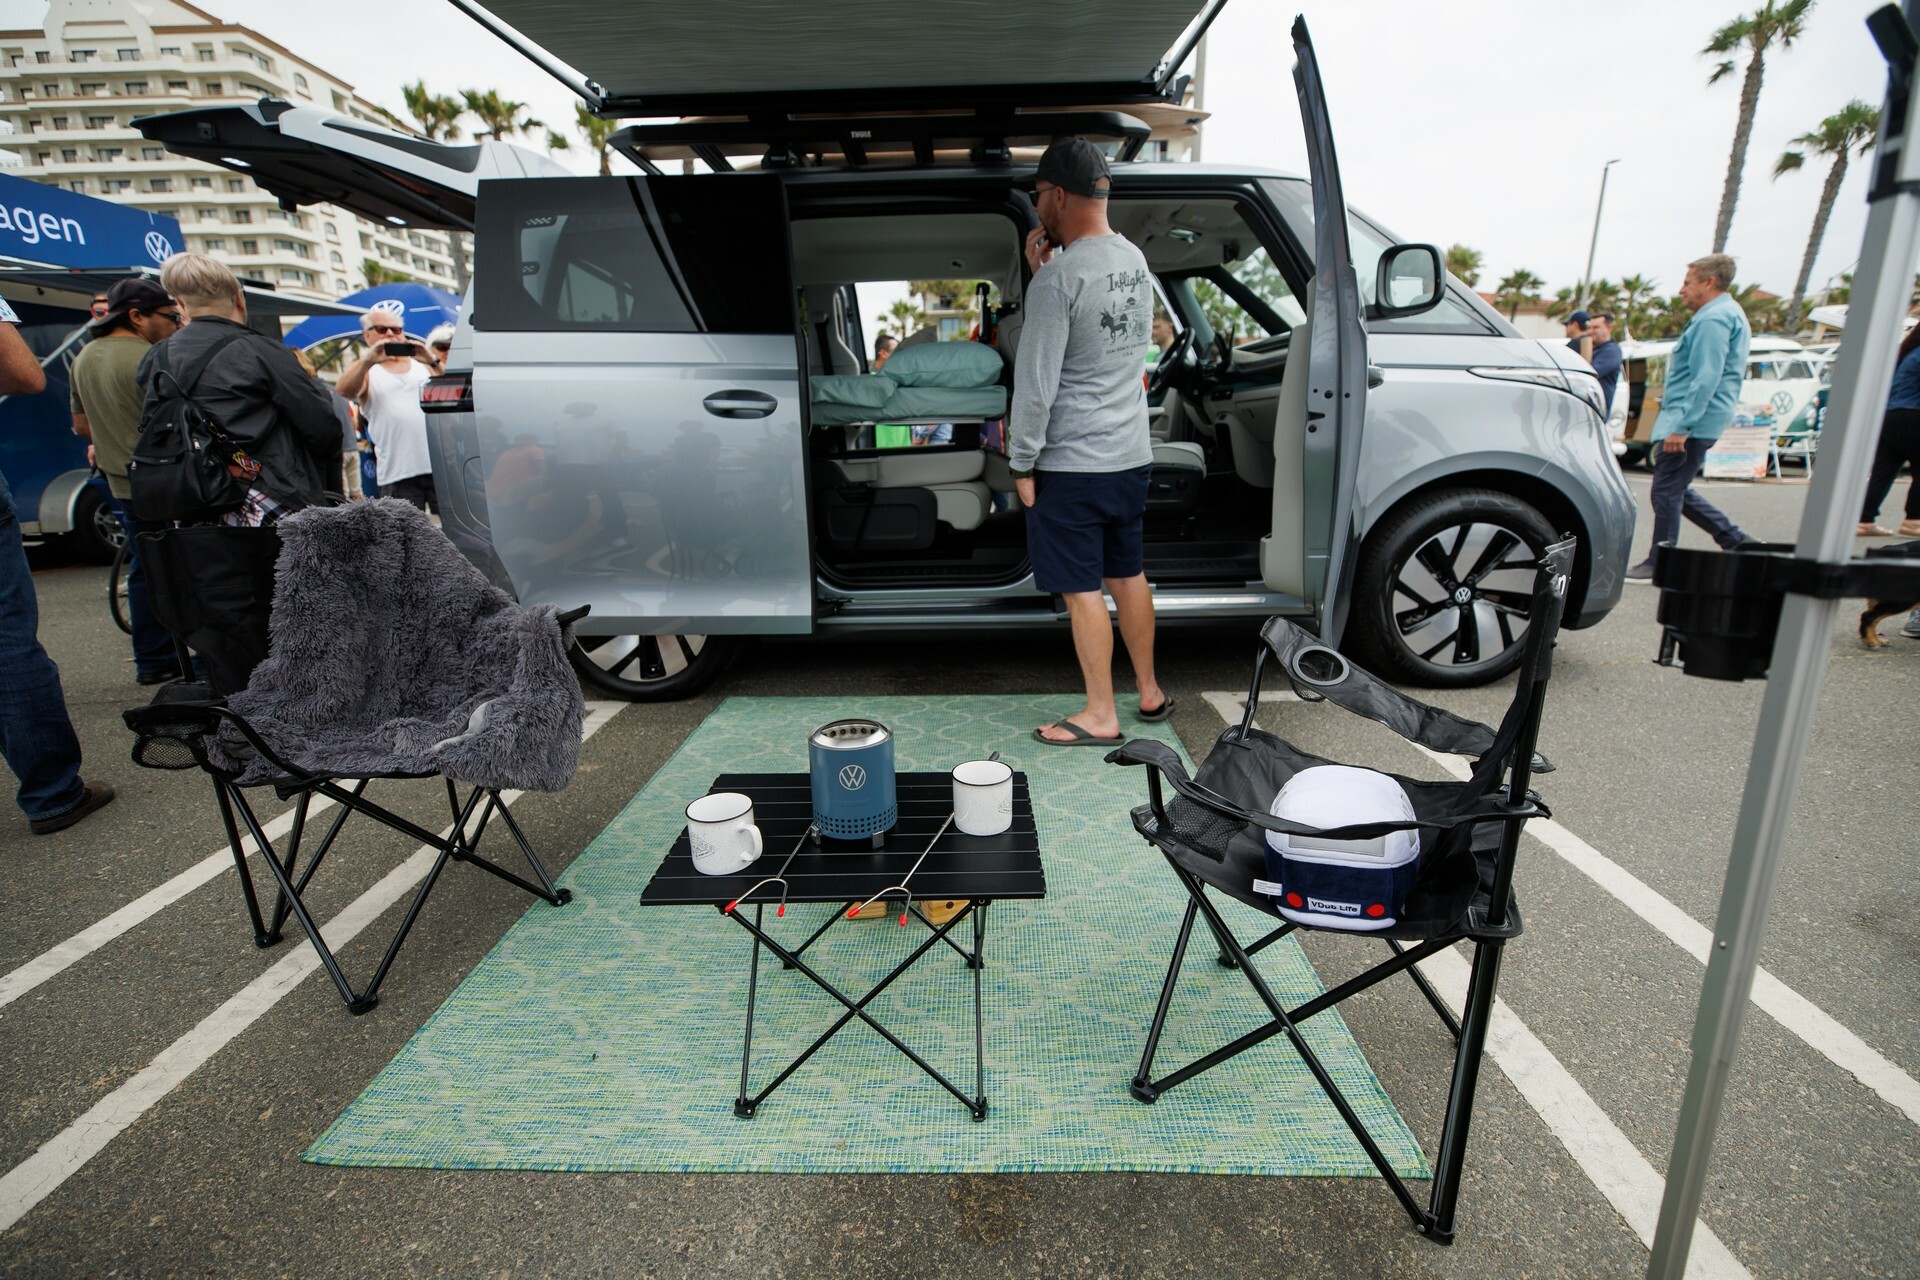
1577 383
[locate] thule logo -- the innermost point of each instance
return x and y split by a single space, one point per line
1336 908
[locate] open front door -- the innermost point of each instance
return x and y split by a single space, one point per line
1336 396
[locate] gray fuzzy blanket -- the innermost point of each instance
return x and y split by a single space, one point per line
390 653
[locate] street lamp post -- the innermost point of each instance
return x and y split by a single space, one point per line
1586 281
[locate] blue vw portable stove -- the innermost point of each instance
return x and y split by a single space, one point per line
850 766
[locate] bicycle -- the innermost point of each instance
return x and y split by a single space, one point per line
117 590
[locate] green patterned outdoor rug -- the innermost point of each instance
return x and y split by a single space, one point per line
606 1036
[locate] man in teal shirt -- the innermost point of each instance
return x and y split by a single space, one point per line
1703 385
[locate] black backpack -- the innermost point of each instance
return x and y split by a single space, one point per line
178 469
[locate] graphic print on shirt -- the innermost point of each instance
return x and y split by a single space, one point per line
1126 320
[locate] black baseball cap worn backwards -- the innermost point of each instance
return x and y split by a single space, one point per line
132 293
1076 165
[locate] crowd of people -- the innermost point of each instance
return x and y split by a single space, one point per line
296 443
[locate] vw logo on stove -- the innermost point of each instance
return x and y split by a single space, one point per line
853 777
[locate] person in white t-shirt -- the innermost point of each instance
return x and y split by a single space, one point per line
386 380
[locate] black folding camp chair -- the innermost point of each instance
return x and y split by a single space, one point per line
212 588
1213 834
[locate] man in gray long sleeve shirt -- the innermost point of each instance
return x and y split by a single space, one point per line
1080 452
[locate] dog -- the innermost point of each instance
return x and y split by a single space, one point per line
1878 610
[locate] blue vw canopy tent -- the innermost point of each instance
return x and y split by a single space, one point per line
421 307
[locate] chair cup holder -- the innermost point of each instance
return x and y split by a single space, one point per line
1723 607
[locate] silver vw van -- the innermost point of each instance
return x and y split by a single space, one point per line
658 404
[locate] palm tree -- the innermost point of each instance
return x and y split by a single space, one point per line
501 116
1634 292
1765 315
1852 128
1772 23
906 316
436 114
595 130
1517 290
1464 263
378 272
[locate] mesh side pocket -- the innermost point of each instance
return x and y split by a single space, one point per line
163 750
1200 828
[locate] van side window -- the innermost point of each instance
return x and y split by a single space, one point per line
632 255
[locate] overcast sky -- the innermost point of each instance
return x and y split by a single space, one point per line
1485 124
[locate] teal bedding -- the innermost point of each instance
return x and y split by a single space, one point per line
910 404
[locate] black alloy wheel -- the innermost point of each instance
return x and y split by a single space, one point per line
648 668
96 534
1443 590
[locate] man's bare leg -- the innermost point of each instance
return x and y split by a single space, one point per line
1093 643
1134 599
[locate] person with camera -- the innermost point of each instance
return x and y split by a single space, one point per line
386 380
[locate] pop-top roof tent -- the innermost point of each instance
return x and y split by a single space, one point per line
674 59
975 78
789 85
66 243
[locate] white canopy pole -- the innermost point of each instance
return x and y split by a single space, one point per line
1881 292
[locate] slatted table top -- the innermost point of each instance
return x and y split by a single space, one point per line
959 866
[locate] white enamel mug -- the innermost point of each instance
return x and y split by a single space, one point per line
720 829
982 797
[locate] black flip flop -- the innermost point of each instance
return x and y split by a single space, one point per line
1081 738
1160 713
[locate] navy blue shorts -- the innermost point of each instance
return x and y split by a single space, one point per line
1086 525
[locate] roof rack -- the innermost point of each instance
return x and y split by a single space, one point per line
789 142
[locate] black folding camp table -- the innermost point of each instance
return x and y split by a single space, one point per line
974 870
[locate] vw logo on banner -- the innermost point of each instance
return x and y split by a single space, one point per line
159 248
853 777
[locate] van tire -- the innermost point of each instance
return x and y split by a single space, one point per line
96 534
620 666
1428 552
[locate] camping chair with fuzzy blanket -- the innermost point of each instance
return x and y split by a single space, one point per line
1214 830
387 655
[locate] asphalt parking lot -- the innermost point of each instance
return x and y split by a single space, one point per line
159 1088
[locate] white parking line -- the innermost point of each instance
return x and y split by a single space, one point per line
1818 1029
55 959
63 1155
1605 1154
52 961
1594 1142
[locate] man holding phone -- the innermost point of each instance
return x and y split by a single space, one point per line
1079 448
386 380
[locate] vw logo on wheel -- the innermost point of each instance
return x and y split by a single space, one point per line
159 248
1461 595
853 777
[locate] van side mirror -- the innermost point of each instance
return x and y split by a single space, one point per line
1408 283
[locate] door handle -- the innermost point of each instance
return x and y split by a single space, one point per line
740 404
1375 376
